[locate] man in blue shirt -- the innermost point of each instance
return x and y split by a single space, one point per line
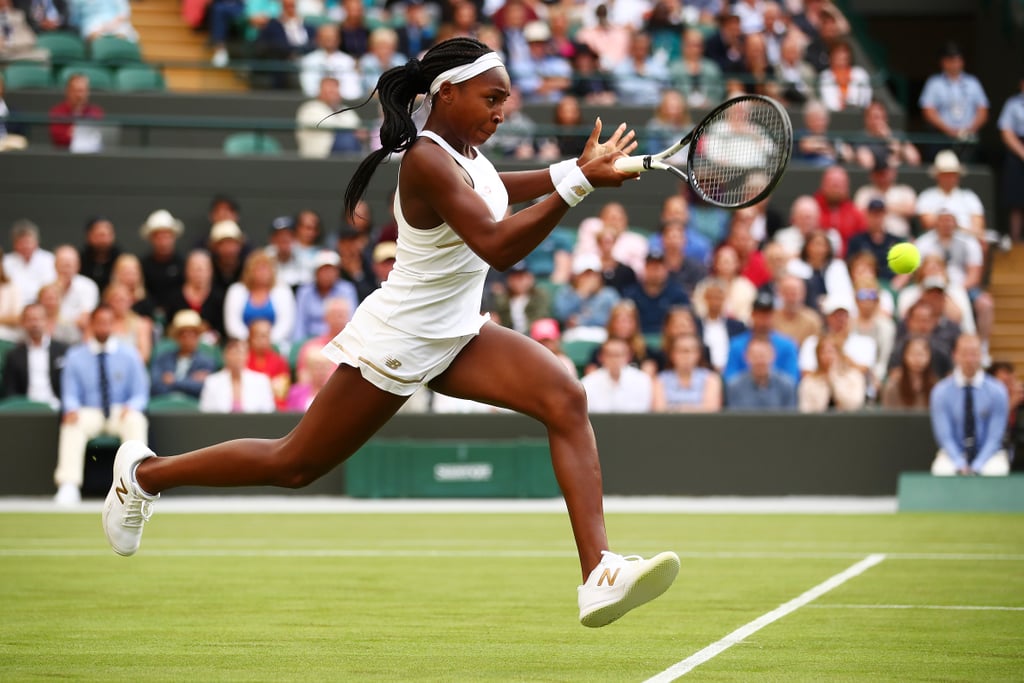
311 297
954 103
785 350
104 390
656 294
761 387
969 411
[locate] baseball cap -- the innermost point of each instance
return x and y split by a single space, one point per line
282 223
585 262
326 257
536 32
656 254
384 251
519 267
764 301
832 304
545 328
226 230
876 205
933 282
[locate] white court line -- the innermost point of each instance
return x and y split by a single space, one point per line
743 632
967 608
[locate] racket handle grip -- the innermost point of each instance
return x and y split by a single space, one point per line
633 164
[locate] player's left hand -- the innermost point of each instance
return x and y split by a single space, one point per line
621 142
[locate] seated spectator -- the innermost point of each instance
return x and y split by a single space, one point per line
717 328
198 294
617 387
640 77
741 239
683 269
835 384
932 286
923 321
863 266
236 388
584 305
589 83
542 76
184 368
798 80
100 250
624 323
104 390
355 36
324 129
127 271
607 39
617 275
630 247
12 134
328 61
290 270
670 123
516 137
19 39
337 313
78 294
546 332
694 244
758 73
59 329
876 240
129 328
319 369
824 274
570 136
860 350
725 46
969 412
784 349
883 147
75 107
163 267
679 322
10 307
32 368
837 211
285 38
687 387
1014 438
815 145
698 78
664 24
761 387
521 301
312 298
228 251
844 85
874 322
947 194
793 317
104 18
900 200
49 15
740 292
805 218
383 260
264 358
258 296
356 265
382 55
655 294
909 384
825 25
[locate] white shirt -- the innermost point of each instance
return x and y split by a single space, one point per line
859 348
716 336
964 204
631 394
960 252
792 240
82 297
318 64
257 393
30 275
39 386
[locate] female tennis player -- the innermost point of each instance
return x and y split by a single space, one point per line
424 325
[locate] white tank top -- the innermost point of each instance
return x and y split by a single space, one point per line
436 286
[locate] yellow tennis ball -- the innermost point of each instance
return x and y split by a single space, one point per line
904 258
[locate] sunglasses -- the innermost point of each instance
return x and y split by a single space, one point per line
867 295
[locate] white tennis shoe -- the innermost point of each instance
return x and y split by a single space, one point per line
618 584
128 507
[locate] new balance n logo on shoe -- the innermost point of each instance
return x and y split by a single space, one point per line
392 362
121 491
609 576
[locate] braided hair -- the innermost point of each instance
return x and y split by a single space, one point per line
397 89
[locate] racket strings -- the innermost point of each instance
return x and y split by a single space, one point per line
740 152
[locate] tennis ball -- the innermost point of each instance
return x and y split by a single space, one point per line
904 258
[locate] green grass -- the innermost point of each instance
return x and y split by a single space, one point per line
490 597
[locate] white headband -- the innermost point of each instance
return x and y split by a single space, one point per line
458 74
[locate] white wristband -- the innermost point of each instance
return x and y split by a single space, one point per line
574 187
560 170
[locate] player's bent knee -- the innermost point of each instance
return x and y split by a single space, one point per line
294 470
568 402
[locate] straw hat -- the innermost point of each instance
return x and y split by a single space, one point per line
185 319
161 219
946 161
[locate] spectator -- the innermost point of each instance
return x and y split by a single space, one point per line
640 77
337 313
761 387
656 294
616 274
873 322
258 296
664 24
301 394
129 328
883 147
236 389
104 390
516 137
542 76
609 40
28 266
624 323
683 269
1014 437
630 247
931 284
844 85
876 240
694 244
546 332
59 329
569 139
824 274
32 368
589 83
285 38
104 18
382 55
670 123
825 25
264 358
309 237
741 239
837 211
899 199
184 368
1011 131
418 32
356 267
805 218
521 302
18 38
947 194
784 349
163 267
328 61
969 413
793 317
864 266
78 294
725 46
740 292
617 387
758 73
834 384
355 37
10 307
687 387
909 384
290 271
44 15
197 294
679 321
954 103
75 107
383 260
127 271
798 80
718 329
923 321
815 145
860 350
696 77
312 298
12 135
100 250
324 129
584 305
227 253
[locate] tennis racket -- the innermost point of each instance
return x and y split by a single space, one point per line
738 152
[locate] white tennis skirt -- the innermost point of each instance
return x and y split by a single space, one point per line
397 362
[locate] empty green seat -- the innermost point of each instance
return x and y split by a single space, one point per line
245 144
138 78
27 75
114 50
100 77
173 402
63 47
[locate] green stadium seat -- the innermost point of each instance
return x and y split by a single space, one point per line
114 50
18 404
174 402
100 77
653 340
5 347
27 75
63 47
246 144
165 345
138 78
579 352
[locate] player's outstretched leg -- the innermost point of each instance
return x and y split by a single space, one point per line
526 377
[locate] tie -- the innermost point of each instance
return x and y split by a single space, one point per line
104 384
970 428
